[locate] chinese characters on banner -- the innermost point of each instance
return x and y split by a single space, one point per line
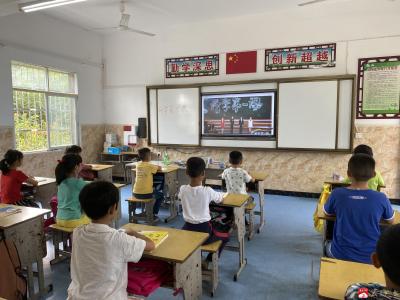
306 57
378 88
205 65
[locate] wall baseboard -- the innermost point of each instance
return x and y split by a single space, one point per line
309 195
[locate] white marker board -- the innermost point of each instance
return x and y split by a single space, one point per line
307 115
178 116
312 114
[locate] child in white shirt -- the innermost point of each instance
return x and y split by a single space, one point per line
100 253
235 177
196 199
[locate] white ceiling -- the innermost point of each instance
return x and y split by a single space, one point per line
155 15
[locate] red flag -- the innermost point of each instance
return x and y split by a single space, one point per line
241 62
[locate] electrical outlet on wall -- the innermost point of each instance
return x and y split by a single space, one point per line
359 135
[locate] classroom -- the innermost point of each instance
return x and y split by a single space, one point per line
215 149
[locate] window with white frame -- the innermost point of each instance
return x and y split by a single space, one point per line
44 107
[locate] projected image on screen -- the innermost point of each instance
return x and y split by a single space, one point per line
239 114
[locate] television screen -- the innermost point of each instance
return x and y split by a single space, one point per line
238 115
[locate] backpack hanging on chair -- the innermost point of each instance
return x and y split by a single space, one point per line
12 283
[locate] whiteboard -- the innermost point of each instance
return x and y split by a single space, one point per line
178 116
307 115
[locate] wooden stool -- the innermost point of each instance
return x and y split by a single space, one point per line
212 275
250 213
146 213
61 234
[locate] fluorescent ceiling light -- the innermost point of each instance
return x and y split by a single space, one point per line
44 4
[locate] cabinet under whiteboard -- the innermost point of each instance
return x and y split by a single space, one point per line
239 114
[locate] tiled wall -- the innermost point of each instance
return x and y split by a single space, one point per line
92 142
292 171
44 163
306 171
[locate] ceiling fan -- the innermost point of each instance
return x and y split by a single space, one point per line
124 23
311 2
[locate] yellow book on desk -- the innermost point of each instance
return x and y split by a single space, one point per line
156 236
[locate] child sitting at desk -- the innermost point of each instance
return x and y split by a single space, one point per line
196 200
100 254
235 177
11 180
143 188
69 212
86 170
358 212
376 181
387 257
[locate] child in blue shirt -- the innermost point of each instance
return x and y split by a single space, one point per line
358 211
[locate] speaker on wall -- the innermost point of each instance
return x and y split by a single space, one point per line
142 128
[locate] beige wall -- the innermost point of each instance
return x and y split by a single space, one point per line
306 171
43 163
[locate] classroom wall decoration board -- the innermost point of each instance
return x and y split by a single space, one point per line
378 88
299 114
193 66
301 57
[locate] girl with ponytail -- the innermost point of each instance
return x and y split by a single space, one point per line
69 212
11 179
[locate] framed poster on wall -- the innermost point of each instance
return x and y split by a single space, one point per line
301 57
193 66
378 88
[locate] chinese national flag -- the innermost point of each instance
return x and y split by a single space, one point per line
241 62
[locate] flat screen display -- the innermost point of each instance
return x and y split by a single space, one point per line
239 115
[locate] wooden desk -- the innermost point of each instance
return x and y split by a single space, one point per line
103 172
260 178
46 189
339 183
171 185
337 275
182 249
25 229
238 203
119 186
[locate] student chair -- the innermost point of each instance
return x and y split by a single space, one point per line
211 275
61 235
145 213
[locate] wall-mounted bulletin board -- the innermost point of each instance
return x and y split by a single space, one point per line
275 114
378 88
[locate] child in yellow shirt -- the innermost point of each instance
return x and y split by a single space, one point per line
375 182
143 188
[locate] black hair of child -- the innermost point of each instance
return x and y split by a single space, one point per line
74 149
195 166
143 153
66 166
363 149
9 159
361 167
388 251
235 157
97 198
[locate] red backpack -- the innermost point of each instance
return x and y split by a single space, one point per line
12 283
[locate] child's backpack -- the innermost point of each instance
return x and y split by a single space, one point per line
147 275
12 283
221 220
319 224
